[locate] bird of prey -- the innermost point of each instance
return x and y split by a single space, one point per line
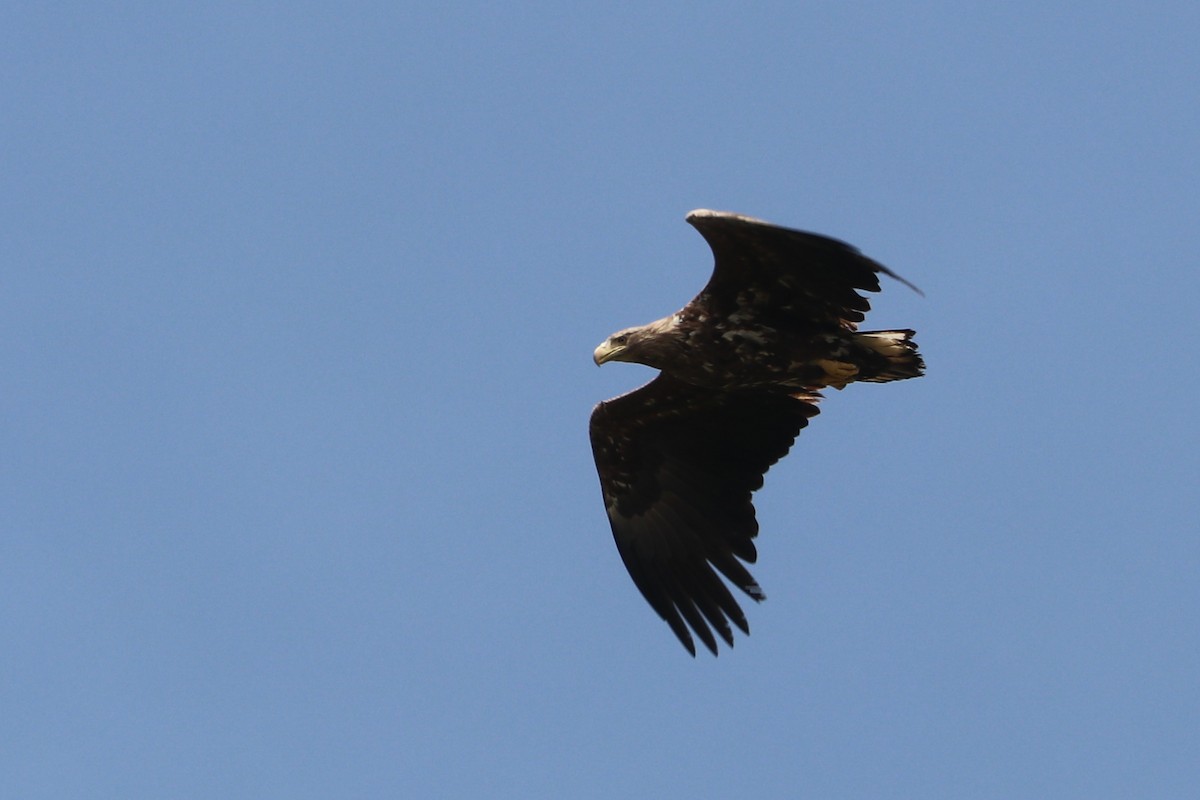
741 368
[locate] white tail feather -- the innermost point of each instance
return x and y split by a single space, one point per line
900 351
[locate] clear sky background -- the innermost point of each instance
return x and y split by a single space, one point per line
297 307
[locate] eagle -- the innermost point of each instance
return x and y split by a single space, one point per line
741 368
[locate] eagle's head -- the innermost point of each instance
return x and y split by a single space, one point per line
647 344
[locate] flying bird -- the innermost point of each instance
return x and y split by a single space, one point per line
741 369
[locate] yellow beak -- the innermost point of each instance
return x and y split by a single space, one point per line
606 352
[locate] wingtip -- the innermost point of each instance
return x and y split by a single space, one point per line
880 268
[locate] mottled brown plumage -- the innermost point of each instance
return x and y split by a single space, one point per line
741 369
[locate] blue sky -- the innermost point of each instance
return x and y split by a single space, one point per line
297 311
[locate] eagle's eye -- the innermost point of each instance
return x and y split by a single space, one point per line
622 339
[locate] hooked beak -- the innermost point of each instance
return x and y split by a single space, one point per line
606 352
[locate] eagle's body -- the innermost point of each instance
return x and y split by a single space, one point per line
726 353
741 366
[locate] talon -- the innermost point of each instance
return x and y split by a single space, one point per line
837 373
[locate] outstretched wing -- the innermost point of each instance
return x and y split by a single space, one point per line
677 466
784 277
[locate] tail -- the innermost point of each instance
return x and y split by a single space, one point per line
890 356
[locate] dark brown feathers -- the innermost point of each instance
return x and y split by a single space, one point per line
680 458
677 467
812 276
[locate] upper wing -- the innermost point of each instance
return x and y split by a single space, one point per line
767 269
677 466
